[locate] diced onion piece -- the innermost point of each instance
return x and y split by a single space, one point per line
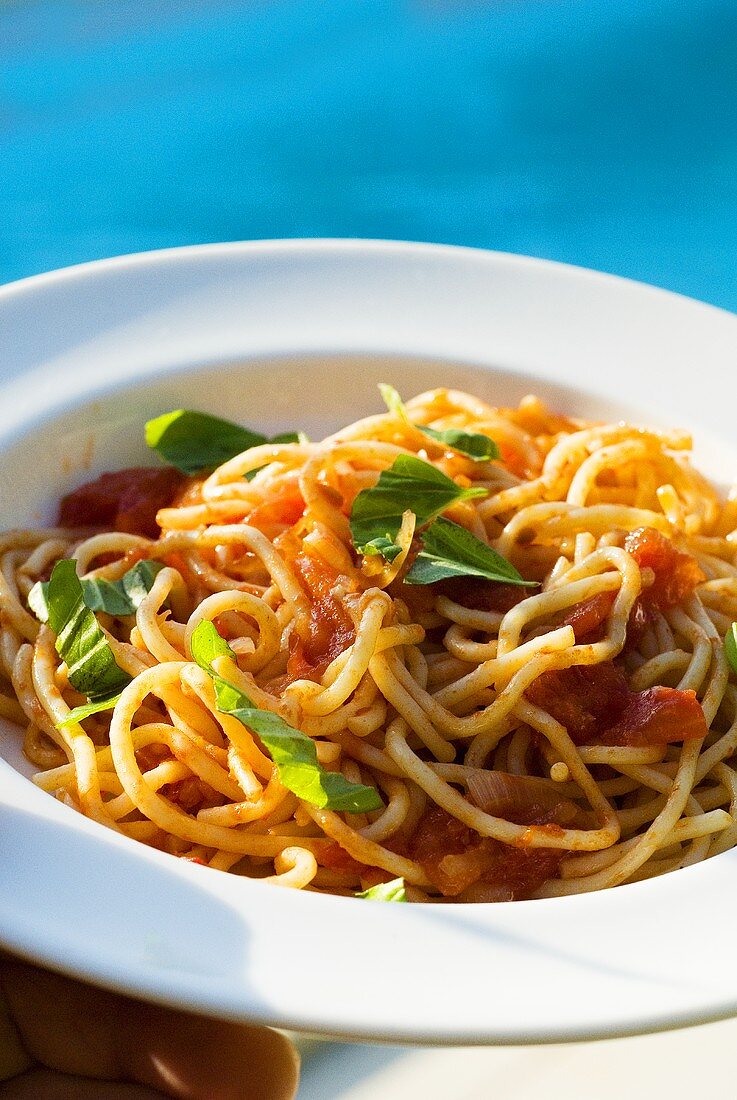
518 797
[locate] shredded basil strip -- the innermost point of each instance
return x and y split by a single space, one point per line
730 646
449 550
393 401
386 891
291 750
474 445
80 713
382 546
409 483
124 596
194 441
119 598
80 641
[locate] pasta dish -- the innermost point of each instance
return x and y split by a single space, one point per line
451 653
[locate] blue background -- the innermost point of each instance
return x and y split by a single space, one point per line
600 132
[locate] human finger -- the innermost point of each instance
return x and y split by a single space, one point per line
78 1029
47 1084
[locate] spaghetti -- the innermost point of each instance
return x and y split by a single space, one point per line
517 689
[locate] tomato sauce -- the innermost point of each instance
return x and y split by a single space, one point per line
595 704
658 716
585 699
190 794
331 627
455 857
676 576
515 461
126 500
588 618
273 516
336 858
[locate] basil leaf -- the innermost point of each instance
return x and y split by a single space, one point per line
383 546
284 437
386 891
451 551
475 445
206 644
195 441
38 601
80 641
290 437
119 598
410 484
291 750
393 401
80 713
730 646
124 596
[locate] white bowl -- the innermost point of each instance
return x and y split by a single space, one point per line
296 334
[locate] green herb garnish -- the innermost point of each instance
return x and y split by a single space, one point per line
385 891
291 750
119 598
383 547
195 441
80 641
409 484
474 445
449 550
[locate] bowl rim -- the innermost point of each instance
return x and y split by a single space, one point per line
534 933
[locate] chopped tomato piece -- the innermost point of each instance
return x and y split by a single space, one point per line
331 627
676 574
450 853
336 858
515 461
283 511
127 500
594 703
585 698
658 716
190 794
588 617
521 870
455 857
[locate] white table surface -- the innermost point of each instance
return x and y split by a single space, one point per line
682 1065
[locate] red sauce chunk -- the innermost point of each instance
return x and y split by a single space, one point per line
588 618
273 516
338 859
658 716
594 703
331 627
126 500
455 857
676 574
585 699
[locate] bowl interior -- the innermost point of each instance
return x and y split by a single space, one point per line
315 394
